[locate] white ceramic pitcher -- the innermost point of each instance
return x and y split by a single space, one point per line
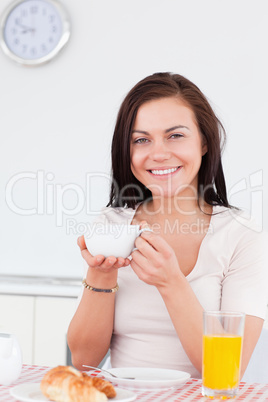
10 359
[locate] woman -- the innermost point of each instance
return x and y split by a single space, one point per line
202 254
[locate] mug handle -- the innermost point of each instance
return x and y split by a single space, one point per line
139 233
145 230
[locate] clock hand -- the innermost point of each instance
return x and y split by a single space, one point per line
26 29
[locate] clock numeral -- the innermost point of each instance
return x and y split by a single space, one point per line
33 51
51 40
51 18
54 29
44 12
34 10
43 47
24 13
14 31
17 21
16 41
24 48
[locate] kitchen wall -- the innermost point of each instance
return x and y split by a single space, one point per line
56 120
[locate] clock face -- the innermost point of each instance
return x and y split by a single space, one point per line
34 30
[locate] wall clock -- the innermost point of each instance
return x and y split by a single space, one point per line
34 31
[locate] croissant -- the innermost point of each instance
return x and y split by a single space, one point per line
101 385
66 384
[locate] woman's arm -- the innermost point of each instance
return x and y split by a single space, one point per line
91 328
189 325
253 327
186 314
155 263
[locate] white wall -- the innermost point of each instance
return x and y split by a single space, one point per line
58 119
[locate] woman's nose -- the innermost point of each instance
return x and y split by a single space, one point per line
159 152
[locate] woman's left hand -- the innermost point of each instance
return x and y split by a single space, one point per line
155 261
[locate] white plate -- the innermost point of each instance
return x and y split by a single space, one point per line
146 378
30 392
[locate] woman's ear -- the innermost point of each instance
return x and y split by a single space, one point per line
204 149
204 144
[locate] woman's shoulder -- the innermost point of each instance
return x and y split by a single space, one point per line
237 235
238 223
237 217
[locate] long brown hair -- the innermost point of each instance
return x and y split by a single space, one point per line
126 190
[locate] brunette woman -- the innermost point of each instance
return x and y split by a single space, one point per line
203 254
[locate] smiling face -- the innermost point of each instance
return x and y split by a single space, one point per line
166 148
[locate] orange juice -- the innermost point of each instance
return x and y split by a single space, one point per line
221 361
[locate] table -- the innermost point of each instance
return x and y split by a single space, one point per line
189 392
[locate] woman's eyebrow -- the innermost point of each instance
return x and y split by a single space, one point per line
166 131
176 127
140 132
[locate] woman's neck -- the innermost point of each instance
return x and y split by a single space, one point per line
175 206
164 215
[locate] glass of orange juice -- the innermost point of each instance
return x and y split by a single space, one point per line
222 347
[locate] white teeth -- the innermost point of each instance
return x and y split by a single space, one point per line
166 171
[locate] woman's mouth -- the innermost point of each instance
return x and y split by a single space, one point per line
163 172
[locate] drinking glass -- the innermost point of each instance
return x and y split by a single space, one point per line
222 346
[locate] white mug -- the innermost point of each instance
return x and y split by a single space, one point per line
112 239
10 359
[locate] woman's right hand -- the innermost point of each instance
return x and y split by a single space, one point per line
99 261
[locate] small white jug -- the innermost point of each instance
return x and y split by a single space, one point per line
10 359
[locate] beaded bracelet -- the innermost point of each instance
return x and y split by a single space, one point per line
87 286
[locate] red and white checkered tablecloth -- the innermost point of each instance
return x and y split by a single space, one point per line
189 392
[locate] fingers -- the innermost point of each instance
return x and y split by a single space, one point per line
145 248
92 261
139 271
113 262
152 249
127 262
144 225
144 270
157 243
99 260
81 242
121 262
139 260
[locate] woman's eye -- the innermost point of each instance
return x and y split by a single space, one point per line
176 135
140 141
